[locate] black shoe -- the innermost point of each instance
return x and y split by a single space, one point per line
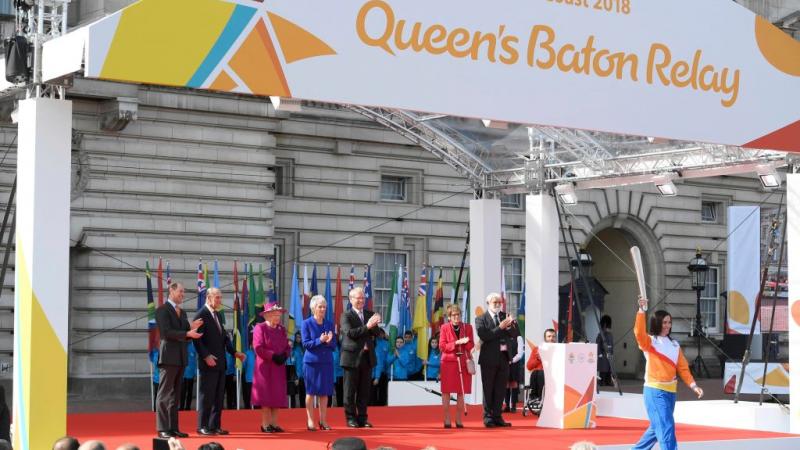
447 425
502 423
324 426
165 434
365 424
267 429
179 434
277 429
489 424
206 432
352 424
221 432
459 425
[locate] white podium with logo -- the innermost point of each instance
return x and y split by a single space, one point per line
570 384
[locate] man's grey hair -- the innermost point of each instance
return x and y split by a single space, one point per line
92 445
316 301
66 443
492 296
353 291
128 447
211 292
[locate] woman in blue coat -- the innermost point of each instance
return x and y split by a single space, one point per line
318 342
434 360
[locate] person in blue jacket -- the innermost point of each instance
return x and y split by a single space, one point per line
154 361
380 373
297 356
189 374
415 370
247 376
402 360
230 380
434 359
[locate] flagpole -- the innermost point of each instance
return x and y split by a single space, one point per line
463 261
238 388
152 393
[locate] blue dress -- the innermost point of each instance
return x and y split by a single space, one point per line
318 357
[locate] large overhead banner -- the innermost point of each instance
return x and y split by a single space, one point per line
707 70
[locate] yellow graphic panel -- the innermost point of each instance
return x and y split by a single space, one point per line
223 83
775 377
738 308
164 42
257 64
778 47
297 43
41 418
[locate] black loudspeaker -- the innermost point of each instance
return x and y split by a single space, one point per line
17 61
160 444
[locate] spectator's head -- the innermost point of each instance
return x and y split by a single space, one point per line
298 338
550 335
399 342
605 322
349 443
211 446
5 445
92 445
434 344
408 336
583 445
128 447
66 443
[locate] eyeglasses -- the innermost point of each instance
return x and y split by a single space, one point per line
455 315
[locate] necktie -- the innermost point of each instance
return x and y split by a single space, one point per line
497 319
178 311
216 319
361 316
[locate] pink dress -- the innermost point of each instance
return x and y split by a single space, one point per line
269 379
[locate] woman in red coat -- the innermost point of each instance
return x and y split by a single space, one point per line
456 344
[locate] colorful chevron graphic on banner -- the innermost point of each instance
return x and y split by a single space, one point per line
579 407
41 409
216 44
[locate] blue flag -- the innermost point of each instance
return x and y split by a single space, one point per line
314 289
368 289
295 305
328 297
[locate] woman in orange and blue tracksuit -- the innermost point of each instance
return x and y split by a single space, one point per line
665 361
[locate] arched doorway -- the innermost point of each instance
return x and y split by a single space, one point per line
610 250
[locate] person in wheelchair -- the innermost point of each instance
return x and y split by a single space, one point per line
534 364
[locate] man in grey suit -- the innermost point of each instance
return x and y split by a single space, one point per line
495 331
173 356
358 328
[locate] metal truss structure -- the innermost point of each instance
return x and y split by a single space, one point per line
529 158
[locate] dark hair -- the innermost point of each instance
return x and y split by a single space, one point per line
408 332
430 349
549 330
605 321
211 446
656 320
66 443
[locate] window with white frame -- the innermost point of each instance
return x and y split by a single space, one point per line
709 301
709 211
394 188
384 268
511 201
514 277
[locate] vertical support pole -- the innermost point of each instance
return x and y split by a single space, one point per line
484 265
793 241
42 277
541 266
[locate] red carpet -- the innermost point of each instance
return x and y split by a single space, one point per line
403 428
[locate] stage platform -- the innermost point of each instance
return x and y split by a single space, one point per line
413 427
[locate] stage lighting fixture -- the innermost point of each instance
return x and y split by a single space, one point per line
566 193
665 186
768 176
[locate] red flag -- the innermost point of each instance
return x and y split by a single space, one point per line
338 300
160 276
569 316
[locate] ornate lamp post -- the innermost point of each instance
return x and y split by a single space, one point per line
698 268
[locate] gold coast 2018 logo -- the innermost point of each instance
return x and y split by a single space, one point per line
540 48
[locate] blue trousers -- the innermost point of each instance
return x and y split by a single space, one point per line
660 406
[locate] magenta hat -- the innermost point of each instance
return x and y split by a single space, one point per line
272 306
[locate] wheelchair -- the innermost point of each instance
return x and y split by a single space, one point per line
531 403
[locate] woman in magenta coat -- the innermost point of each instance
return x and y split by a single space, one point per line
269 377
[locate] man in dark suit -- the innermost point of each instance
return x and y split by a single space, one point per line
211 348
358 329
495 331
172 359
